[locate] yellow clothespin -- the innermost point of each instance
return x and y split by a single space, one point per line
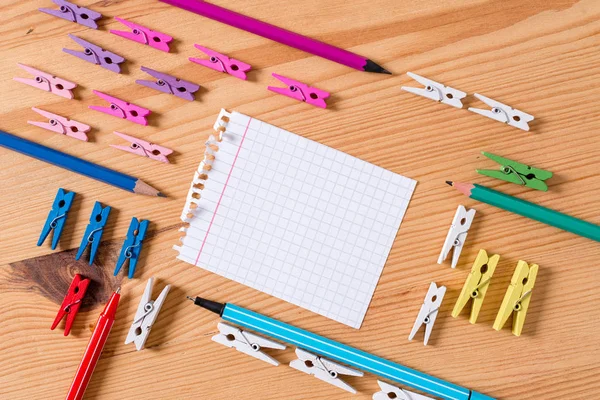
477 284
517 297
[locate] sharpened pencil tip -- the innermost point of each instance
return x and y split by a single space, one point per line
161 194
449 183
370 66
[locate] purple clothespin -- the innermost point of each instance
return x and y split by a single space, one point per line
143 35
169 84
144 148
74 13
61 125
300 91
47 82
122 109
222 63
96 55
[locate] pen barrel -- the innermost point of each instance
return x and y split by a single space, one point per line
272 32
536 212
67 161
348 355
94 349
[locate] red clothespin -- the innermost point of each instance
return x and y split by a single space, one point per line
122 109
300 91
71 303
222 63
47 82
144 148
143 35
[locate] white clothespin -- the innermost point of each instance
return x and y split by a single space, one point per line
323 369
436 91
146 315
392 392
457 234
246 342
503 113
429 311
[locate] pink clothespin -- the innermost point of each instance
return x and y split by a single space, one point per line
47 82
144 148
122 109
222 63
143 35
61 125
300 91
169 84
96 55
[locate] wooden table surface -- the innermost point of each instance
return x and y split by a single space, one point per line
541 57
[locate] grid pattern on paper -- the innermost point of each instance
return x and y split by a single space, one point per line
296 219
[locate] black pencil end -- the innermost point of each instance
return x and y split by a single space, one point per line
449 183
370 66
160 194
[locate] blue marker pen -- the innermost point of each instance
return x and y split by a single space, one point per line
339 352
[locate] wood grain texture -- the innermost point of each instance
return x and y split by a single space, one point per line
541 57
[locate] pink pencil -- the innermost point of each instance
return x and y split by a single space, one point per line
279 35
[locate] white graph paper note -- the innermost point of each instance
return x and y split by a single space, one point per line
292 218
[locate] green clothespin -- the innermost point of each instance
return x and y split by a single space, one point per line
521 174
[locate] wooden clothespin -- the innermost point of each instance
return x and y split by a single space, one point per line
300 91
393 392
476 285
246 342
132 247
429 311
517 297
57 217
521 174
457 234
93 232
323 369
71 303
96 55
503 113
143 35
146 315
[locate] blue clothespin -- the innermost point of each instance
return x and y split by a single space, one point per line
57 217
94 230
132 247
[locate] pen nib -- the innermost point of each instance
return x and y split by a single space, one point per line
190 298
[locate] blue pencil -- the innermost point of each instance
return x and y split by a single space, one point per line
339 352
66 161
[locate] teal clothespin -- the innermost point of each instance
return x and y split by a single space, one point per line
132 247
521 174
93 232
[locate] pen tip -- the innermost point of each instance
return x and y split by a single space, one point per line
190 298
385 71
118 290
449 183
160 194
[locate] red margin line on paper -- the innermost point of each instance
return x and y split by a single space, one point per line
224 187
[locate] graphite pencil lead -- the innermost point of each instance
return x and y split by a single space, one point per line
449 183
370 66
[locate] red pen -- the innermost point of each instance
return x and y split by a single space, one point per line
94 348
